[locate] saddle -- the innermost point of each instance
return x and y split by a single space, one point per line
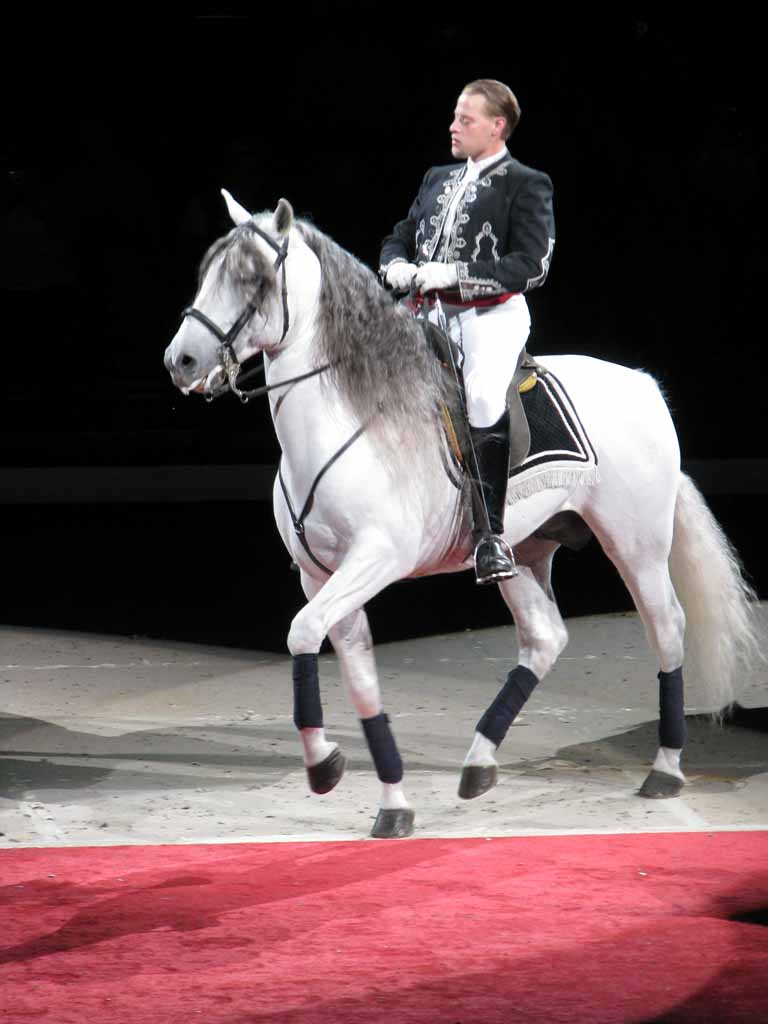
525 378
566 528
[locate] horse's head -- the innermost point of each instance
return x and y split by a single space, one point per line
242 304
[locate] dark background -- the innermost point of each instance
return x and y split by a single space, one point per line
120 130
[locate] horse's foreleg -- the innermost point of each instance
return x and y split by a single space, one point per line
541 636
366 570
353 644
335 609
323 760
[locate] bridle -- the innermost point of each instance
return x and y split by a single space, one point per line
229 361
233 368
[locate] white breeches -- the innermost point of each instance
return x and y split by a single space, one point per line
491 339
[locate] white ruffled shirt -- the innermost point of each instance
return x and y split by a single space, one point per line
472 171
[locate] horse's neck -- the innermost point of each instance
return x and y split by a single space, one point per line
296 353
310 420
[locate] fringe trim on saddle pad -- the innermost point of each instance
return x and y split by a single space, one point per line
561 454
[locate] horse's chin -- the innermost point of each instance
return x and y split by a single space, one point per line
215 383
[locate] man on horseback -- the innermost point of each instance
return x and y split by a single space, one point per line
478 236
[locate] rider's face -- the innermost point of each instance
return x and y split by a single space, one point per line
474 133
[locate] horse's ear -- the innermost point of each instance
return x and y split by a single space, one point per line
238 213
283 217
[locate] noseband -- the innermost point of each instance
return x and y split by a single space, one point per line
229 359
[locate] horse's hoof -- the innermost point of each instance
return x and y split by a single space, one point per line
477 779
660 786
393 824
324 776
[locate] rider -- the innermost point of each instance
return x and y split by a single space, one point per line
478 236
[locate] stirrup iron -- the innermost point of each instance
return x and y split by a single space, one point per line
494 560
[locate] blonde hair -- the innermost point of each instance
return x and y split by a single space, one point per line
500 101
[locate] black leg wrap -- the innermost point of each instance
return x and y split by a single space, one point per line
381 743
507 704
672 729
307 709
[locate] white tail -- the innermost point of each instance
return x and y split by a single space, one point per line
724 631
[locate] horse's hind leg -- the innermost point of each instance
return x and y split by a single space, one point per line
541 635
657 604
351 639
641 558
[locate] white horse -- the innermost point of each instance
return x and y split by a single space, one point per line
364 496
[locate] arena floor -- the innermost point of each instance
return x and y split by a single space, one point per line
110 741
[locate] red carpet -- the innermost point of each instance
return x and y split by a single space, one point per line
638 928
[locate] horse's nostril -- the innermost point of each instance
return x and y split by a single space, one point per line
187 360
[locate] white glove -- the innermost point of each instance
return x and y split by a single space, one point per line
400 275
436 276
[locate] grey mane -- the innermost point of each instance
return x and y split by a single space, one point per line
385 369
380 360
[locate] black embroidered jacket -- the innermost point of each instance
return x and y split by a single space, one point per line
502 235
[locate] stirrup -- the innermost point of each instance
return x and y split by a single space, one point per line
494 561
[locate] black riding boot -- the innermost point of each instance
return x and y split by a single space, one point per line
493 557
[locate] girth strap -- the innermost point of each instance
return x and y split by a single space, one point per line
298 521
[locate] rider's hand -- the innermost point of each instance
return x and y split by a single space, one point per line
400 275
436 276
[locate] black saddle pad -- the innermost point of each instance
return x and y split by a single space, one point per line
557 433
